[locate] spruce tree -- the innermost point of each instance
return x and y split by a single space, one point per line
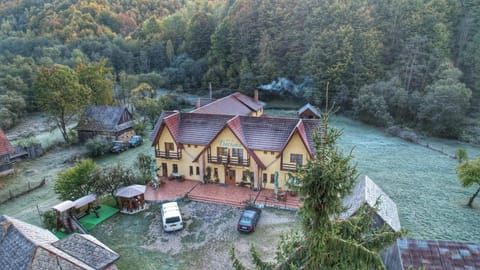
324 241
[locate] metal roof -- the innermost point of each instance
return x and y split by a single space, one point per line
104 118
367 192
234 104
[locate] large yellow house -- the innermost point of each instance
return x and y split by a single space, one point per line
231 148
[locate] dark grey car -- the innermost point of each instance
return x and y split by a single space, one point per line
248 220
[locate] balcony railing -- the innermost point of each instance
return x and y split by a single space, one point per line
6 167
236 161
168 154
289 166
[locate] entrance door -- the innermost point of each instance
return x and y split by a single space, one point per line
229 177
164 170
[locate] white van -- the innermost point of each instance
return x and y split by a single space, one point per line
171 217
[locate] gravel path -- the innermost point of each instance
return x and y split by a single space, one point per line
204 243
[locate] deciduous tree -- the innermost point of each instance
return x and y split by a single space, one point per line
77 181
60 94
468 173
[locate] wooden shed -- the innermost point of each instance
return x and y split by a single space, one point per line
112 122
6 149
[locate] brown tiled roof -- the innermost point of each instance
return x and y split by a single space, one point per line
88 250
6 147
159 122
256 133
103 118
432 254
234 104
31 247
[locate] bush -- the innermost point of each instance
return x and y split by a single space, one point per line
97 146
371 109
49 220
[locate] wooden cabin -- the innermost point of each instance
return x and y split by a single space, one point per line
308 111
6 150
111 122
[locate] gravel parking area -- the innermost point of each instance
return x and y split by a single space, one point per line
204 243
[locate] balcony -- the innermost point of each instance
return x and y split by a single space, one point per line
289 166
228 160
168 154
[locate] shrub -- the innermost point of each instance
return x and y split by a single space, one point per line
49 220
97 146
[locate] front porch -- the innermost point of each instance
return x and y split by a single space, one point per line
233 195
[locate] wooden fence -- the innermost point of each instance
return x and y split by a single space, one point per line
21 190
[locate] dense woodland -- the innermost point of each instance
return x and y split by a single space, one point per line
408 63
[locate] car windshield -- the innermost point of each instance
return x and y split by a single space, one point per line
245 221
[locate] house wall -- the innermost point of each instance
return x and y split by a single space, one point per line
189 153
226 138
125 135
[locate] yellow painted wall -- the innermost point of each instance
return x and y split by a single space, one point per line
227 139
188 154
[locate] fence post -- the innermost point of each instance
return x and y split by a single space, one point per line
29 188
11 197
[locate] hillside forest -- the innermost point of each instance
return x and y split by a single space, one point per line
389 63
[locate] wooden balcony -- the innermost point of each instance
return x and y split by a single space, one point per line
168 154
228 160
288 166
6 166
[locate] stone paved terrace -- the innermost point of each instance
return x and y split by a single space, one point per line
218 193
169 190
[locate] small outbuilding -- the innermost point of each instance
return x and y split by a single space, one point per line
112 122
6 150
131 199
32 248
308 111
366 192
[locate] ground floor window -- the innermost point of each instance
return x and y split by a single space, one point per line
191 170
215 172
265 177
198 170
175 168
272 178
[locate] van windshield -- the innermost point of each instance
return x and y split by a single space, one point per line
172 220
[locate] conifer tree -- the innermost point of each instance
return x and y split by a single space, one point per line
324 241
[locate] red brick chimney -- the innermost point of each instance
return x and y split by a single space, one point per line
197 104
255 95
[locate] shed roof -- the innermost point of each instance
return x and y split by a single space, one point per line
367 192
234 104
6 147
84 200
64 206
309 107
433 254
103 118
88 250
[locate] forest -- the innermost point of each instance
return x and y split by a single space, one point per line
390 63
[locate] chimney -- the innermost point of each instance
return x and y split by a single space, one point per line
255 95
197 104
